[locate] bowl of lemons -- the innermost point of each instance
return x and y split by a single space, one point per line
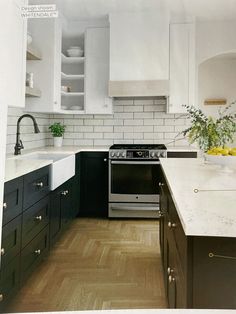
224 156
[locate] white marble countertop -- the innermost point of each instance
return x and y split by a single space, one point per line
147 311
15 168
206 213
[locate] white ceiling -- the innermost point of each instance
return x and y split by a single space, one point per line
96 9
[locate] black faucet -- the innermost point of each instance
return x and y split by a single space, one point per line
19 144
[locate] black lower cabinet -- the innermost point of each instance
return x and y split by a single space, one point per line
62 209
9 281
94 184
194 277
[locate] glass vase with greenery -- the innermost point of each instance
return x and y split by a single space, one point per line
209 132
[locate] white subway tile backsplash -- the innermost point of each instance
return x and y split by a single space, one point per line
143 115
133 135
133 121
133 109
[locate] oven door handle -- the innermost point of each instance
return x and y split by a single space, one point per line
120 207
135 162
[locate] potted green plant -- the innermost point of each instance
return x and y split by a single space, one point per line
209 132
57 129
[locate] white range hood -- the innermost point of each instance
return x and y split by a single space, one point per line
152 88
139 54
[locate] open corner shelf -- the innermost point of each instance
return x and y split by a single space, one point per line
70 60
33 54
72 76
32 92
68 94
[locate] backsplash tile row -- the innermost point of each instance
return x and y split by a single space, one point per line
134 121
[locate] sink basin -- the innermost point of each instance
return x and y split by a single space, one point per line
61 169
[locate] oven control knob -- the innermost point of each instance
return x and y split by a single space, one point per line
118 154
162 154
112 154
123 154
157 154
152 155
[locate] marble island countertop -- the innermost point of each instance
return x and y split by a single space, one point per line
211 211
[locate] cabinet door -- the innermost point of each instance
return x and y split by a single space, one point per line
182 67
66 203
34 220
13 192
17 64
55 215
9 281
97 71
94 184
11 241
36 186
33 253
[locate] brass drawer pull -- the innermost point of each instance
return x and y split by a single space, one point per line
4 205
171 224
37 252
161 184
170 271
39 184
2 251
1 297
38 218
221 256
171 279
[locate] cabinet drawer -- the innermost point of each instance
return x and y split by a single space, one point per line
180 238
9 281
11 240
13 192
35 219
180 154
33 253
36 186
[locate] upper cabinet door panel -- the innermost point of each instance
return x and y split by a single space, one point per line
97 71
182 67
17 57
139 46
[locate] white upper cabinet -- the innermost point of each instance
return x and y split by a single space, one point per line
182 67
97 71
139 46
46 35
16 62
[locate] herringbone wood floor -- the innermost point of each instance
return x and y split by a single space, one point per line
98 264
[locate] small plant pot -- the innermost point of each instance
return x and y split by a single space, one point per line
57 141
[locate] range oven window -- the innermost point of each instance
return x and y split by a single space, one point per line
135 178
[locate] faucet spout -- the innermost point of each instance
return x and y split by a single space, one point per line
19 144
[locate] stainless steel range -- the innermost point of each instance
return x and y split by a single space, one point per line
134 176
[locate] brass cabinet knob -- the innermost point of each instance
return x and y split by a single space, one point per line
39 184
171 224
161 184
169 271
2 251
64 192
1 297
37 252
105 159
171 279
39 218
4 205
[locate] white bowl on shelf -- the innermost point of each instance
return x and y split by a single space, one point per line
75 52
